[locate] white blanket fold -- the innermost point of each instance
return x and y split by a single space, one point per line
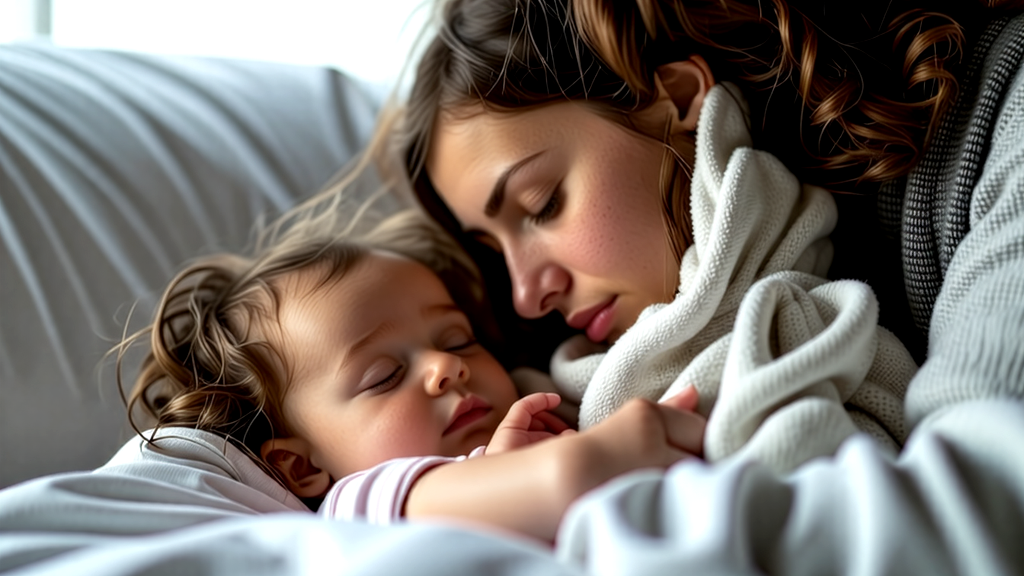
791 364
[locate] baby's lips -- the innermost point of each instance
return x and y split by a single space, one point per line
466 412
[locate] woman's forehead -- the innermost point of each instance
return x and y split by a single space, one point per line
477 142
472 150
514 124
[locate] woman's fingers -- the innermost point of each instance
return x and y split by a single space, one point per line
684 429
642 434
666 428
686 399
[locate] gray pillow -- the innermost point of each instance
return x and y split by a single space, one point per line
116 168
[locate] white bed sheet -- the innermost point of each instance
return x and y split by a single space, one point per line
952 503
200 506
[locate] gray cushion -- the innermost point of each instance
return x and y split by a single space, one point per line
115 168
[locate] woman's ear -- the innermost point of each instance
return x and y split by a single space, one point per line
291 458
684 84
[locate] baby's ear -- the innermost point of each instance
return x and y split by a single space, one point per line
684 84
291 458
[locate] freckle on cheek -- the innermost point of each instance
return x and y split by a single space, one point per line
597 243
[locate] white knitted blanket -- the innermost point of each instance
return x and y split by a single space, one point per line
786 363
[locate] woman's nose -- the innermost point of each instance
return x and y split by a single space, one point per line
537 284
443 371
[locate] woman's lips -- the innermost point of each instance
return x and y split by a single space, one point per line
469 410
601 325
596 320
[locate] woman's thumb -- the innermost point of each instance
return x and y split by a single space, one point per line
685 400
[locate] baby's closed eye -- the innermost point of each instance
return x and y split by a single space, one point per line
382 376
456 339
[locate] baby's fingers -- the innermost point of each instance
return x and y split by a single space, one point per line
522 413
551 422
537 402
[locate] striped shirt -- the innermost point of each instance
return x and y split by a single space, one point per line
378 494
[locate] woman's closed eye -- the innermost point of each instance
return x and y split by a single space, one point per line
550 208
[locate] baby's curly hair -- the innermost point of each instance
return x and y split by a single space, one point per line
211 362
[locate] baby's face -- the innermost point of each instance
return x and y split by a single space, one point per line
384 365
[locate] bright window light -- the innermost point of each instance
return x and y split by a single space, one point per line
370 39
23 20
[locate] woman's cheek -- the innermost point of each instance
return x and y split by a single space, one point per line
606 245
588 233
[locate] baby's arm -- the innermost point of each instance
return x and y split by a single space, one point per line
529 420
527 490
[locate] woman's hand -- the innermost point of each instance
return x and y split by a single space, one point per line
529 420
527 490
641 434
686 400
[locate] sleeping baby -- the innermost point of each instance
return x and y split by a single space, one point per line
346 370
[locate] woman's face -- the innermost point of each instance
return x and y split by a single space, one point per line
572 201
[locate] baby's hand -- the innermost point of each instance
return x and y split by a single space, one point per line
529 420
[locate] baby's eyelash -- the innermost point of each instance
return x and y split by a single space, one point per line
387 382
463 346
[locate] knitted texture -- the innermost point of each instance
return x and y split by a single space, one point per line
936 202
976 320
769 344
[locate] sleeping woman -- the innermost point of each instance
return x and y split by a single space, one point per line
573 138
650 246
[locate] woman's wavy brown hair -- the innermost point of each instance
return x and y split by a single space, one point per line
505 56
847 93
211 357
847 97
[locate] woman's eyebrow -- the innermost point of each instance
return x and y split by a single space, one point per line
497 196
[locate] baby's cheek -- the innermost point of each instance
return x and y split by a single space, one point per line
398 434
511 394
